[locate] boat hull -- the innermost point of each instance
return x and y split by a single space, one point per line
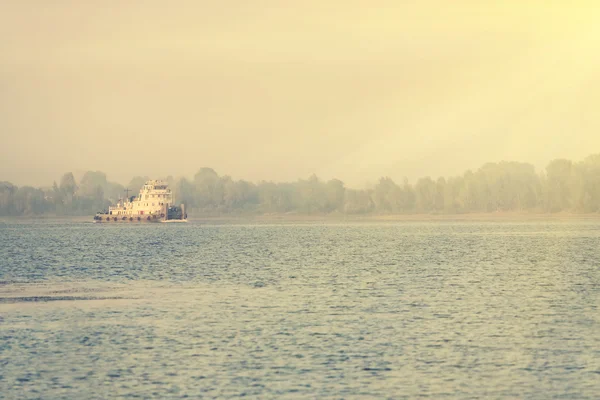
125 220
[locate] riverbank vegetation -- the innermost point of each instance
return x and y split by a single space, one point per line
563 186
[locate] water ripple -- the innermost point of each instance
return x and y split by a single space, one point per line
403 310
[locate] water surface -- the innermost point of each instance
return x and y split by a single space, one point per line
383 310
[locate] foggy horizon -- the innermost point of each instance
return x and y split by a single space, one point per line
366 184
267 92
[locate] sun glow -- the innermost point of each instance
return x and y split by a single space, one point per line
365 88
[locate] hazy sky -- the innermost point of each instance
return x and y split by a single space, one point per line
280 89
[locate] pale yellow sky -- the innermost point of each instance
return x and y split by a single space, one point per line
279 90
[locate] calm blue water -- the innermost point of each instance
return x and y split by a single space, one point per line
390 310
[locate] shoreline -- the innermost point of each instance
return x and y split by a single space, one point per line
473 217
339 218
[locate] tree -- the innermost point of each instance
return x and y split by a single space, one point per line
559 173
588 188
7 193
385 195
29 201
425 195
240 195
334 195
184 193
68 188
90 182
209 193
357 202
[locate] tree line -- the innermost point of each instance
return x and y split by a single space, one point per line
505 186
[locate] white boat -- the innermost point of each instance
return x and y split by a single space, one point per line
154 203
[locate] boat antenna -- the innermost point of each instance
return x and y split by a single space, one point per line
126 193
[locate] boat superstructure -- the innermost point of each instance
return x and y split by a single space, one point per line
154 203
